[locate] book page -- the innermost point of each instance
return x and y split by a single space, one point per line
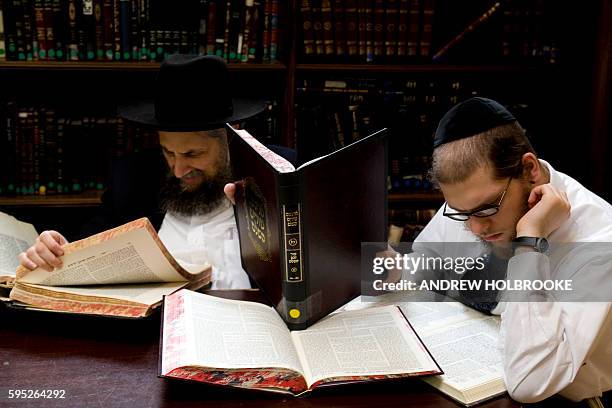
279 163
464 343
462 340
131 257
236 334
146 293
364 342
15 237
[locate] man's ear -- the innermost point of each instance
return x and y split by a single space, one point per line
532 171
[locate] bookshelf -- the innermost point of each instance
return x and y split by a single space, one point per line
566 99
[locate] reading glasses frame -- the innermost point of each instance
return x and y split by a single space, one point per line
486 210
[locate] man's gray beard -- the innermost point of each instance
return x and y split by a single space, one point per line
206 198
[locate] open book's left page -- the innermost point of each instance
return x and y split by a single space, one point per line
228 342
15 237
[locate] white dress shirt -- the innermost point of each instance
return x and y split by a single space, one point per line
554 347
212 238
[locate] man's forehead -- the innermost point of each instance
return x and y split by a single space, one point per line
478 189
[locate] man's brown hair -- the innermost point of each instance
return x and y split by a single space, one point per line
500 148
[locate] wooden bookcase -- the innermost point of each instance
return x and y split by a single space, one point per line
571 110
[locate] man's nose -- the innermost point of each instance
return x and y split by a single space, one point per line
479 225
181 167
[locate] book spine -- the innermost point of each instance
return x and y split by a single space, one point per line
391 28
107 19
210 27
8 14
143 26
226 30
339 28
351 26
60 24
30 42
307 29
2 42
235 32
265 36
99 30
246 36
427 28
402 27
134 30
88 30
202 29
116 30
369 18
124 21
328 35
361 28
49 43
254 36
379 25
73 40
317 26
274 31
294 308
414 24
39 18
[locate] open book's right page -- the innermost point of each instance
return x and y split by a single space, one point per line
373 343
463 341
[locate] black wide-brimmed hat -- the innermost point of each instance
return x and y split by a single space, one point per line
192 93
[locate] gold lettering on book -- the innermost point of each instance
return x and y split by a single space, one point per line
257 221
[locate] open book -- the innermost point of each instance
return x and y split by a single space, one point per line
299 227
124 271
247 345
15 237
462 340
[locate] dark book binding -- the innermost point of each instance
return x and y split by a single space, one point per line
301 231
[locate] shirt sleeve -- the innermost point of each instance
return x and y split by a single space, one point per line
545 343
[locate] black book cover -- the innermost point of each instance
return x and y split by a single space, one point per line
301 230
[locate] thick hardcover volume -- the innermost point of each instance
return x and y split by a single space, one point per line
301 230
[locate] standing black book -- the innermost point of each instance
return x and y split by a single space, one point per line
301 229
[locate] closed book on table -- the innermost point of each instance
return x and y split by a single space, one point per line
301 229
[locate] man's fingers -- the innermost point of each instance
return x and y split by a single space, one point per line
26 262
230 191
34 257
49 257
53 240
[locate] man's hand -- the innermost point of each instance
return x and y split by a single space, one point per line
548 209
230 191
45 252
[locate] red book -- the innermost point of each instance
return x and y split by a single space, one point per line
414 28
427 28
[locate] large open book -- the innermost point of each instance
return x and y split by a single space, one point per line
15 237
247 345
463 341
300 227
124 271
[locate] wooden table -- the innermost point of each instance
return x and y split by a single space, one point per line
102 362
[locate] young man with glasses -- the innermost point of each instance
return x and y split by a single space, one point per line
499 193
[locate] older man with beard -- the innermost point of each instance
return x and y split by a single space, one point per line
190 111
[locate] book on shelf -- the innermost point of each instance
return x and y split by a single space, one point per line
298 227
246 345
122 272
463 341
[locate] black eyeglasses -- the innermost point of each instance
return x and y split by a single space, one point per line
483 211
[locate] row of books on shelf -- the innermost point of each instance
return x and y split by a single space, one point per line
47 151
138 30
391 30
333 113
